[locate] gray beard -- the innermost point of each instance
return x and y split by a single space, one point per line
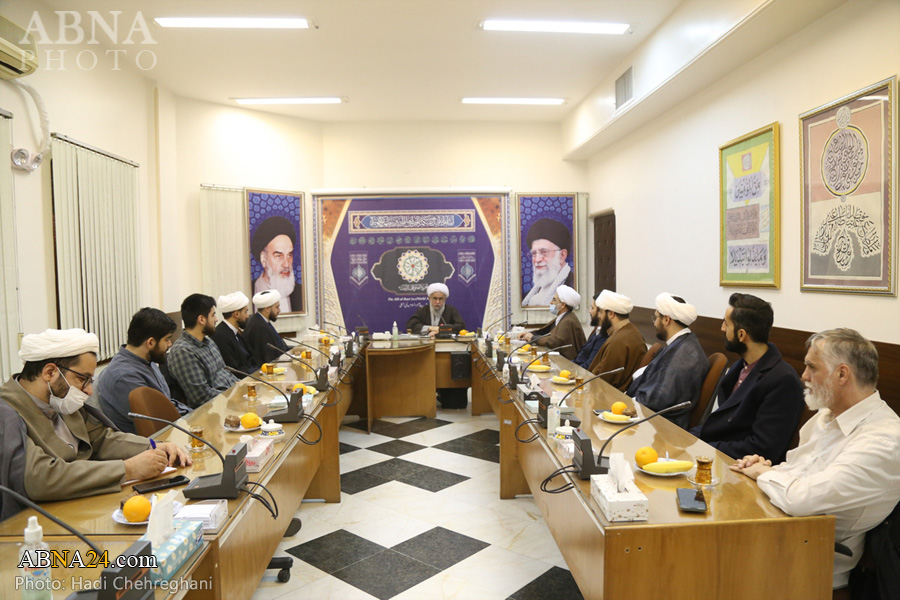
436 316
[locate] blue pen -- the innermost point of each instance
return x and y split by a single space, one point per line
153 443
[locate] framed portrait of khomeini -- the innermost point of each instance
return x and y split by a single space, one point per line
546 246
276 246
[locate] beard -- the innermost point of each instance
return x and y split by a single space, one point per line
437 313
595 321
209 329
159 357
818 396
545 277
242 322
273 316
661 334
605 324
735 345
283 282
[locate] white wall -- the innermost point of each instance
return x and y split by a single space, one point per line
662 181
107 109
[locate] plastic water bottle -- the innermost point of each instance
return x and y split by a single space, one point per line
395 333
36 576
553 415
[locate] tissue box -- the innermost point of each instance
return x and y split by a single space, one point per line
259 451
630 505
175 550
211 513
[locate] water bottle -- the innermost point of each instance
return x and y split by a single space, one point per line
395 333
553 415
36 576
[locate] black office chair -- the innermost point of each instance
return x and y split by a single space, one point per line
877 575
12 459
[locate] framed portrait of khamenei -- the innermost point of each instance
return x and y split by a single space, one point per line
749 189
547 246
276 246
848 225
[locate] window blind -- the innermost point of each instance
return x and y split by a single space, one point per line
9 296
95 208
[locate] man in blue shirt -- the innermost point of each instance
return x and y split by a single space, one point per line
137 365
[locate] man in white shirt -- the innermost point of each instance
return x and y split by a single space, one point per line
848 460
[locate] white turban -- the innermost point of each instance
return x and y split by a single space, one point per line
58 343
438 287
619 304
568 296
232 302
672 308
266 298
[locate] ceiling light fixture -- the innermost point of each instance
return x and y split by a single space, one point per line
530 101
234 22
595 27
288 100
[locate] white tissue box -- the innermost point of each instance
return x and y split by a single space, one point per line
259 451
630 505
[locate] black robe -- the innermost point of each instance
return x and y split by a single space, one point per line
258 334
235 351
422 318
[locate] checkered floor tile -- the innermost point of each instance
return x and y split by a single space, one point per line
420 517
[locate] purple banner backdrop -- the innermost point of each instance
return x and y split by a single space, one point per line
385 251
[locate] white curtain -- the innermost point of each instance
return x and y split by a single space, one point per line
223 240
95 212
9 297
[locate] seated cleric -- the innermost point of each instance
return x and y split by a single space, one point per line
436 313
565 329
69 452
847 463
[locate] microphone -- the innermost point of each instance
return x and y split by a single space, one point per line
321 374
583 444
27 502
336 325
292 413
616 370
335 360
503 318
226 484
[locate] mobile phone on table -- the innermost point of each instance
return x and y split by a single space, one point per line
160 484
691 500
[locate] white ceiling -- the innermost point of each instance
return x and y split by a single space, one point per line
390 59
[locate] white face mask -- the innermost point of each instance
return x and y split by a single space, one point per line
70 403
554 309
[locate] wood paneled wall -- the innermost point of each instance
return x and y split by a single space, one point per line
791 343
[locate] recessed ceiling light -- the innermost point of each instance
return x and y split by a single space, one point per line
555 26
288 100
233 22
533 101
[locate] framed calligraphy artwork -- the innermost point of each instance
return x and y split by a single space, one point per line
749 197
847 205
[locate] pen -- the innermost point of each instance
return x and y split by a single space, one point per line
153 443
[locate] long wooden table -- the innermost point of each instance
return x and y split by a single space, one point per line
742 548
236 555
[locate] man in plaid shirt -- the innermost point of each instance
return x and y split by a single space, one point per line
194 360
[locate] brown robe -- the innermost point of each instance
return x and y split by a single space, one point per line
568 331
624 348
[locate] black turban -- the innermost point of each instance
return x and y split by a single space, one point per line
551 230
268 230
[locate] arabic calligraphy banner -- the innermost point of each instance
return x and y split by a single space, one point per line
749 188
377 254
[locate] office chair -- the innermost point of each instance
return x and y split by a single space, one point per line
12 459
650 354
153 403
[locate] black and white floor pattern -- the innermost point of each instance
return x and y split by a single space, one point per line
421 518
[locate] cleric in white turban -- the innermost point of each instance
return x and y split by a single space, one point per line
60 458
625 346
617 303
260 335
677 371
565 331
428 319
235 309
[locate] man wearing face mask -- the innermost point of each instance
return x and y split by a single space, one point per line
69 453
235 309
564 329
759 401
194 360
135 365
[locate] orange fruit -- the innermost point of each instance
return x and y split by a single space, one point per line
618 408
463 332
250 420
136 509
645 456
564 374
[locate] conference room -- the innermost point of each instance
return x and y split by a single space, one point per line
466 239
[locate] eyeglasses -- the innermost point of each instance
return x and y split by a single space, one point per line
543 252
87 380
655 317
